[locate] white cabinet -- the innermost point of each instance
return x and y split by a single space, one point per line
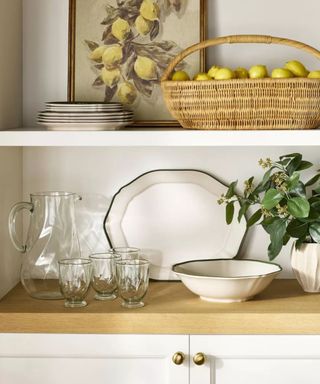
147 359
98 359
256 359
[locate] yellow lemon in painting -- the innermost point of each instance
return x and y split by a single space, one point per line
145 68
202 77
142 25
224 74
110 77
213 70
97 53
241 73
180 76
281 73
127 93
149 10
297 68
120 29
112 56
314 75
258 72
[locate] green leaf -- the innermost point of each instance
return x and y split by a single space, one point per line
276 230
264 184
272 198
297 229
243 210
294 164
254 218
299 207
304 165
291 155
314 232
229 212
286 239
293 180
313 180
299 190
231 190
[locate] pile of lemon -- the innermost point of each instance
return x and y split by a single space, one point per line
291 69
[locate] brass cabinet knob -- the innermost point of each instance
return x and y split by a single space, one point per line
178 358
199 358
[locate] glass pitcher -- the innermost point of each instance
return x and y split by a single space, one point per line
52 236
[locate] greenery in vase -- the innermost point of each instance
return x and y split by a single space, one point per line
287 207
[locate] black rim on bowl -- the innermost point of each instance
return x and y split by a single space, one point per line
227 277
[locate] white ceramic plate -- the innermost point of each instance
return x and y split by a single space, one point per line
85 114
173 216
85 120
84 107
84 126
226 281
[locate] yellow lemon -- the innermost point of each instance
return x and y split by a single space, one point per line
120 29
202 77
145 68
224 74
110 77
213 70
281 73
258 72
241 73
149 10
142 25
180 76
112 56
297 68
127 93
97 54
314 75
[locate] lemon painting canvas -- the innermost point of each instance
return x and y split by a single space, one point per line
121 48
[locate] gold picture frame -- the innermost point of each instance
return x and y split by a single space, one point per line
72 66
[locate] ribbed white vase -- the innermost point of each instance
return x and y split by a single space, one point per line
305 262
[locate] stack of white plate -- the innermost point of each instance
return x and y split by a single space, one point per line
85 116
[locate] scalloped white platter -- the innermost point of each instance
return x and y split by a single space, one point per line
173 216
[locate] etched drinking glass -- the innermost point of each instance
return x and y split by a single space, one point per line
133 281
127 252
74 278
103 279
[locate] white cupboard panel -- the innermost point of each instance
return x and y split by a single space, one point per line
252 359
80 359
266 371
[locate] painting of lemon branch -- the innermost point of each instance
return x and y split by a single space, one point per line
129 60
127 45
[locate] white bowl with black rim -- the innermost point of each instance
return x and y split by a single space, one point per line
226 280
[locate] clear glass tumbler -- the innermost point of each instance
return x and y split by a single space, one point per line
133 281
74 278
103 279
127 252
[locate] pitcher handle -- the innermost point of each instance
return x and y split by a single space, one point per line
12 224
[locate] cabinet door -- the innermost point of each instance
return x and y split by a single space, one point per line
256 359
98 359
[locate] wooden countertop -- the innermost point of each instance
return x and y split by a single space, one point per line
283 308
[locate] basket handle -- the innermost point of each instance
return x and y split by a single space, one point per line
235 39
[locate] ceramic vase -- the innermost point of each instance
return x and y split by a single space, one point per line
305 262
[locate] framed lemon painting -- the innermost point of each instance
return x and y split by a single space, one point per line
120 48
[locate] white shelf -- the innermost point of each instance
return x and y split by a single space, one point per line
153 137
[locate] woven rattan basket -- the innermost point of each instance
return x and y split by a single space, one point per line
243 103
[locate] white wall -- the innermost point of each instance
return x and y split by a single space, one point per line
10 117
10 64
97 172
10 193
